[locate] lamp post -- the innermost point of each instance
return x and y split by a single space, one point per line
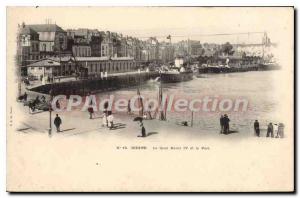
161 115
50 112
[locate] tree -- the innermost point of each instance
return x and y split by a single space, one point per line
227 49
244 54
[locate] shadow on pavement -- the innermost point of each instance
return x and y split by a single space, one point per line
230 132
151 133
118 127
36 112
67 129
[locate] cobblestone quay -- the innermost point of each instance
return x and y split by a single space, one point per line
91 85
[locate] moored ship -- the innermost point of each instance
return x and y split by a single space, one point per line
269 66
178 73
173 76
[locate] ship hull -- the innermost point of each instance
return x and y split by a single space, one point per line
177 77
272 66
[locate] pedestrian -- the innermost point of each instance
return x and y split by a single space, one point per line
91 111
256 128
270 130
226 124
25 97
143 130
104 120
110 120
128 107
275 130
57 123
281 130
145 116
222 124
149 112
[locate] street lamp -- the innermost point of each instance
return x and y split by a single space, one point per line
50 112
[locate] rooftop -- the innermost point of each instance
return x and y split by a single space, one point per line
27 30
46 28
44 63
103 58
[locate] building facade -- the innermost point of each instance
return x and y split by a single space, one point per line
97 65
27 47
52 38
81 50
107 45
91 37
52 67
166 52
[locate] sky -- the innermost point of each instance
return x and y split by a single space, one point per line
180 22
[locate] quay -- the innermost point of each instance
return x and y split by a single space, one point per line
115 81
220 69
85 86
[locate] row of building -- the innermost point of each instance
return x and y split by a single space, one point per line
44 43
55 67
40 41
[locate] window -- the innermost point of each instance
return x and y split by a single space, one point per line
61 41
40 68
44 48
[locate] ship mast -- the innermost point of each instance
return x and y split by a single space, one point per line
162 114
140 100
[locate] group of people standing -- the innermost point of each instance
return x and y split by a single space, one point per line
272 129
107 117
107 121
224 122
276 128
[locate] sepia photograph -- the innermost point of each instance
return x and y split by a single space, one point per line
150 99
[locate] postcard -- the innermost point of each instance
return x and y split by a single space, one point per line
150 99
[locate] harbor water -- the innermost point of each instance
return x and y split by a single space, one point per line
256 87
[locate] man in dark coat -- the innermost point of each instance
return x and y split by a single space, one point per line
91 111
270 130
128 107
226 124
256 128
57 123
222 124
143 130
25 97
